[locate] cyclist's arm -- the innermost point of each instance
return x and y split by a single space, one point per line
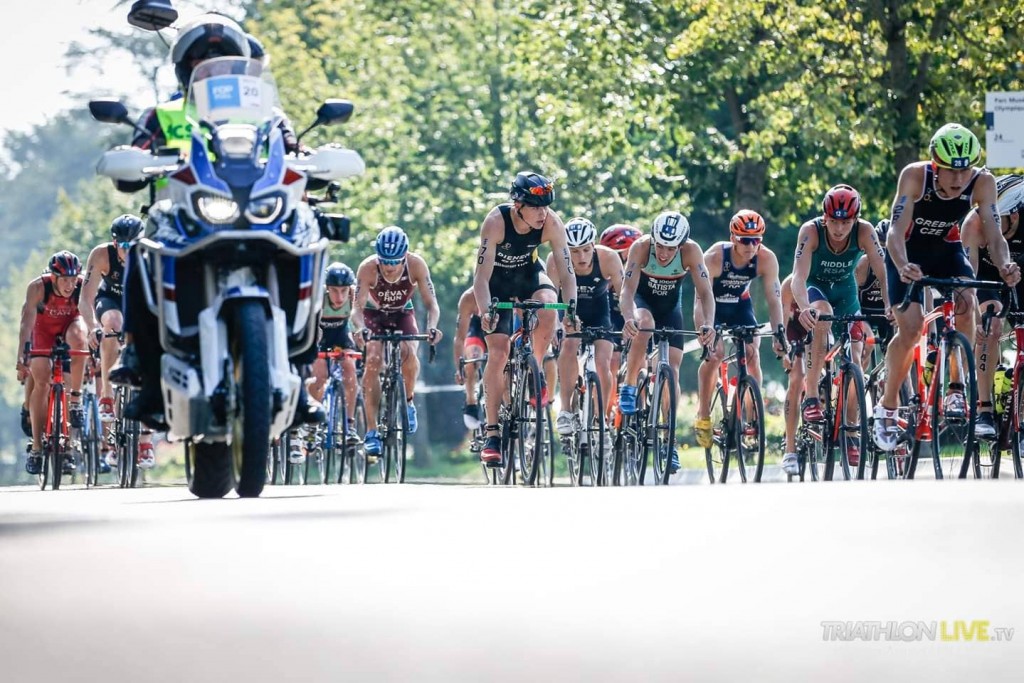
491 234
555 233
96 267
911 182
553 273
364 280
876 256
611 266
972 239
985 197
421 273
860 273
467 306
768 265
33 297
638 254
693 261
713 263
806 245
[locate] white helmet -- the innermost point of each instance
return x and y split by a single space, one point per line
670 229
579 232
1010 189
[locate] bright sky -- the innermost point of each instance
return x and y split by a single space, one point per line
36 33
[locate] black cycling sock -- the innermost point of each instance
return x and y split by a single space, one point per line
492 428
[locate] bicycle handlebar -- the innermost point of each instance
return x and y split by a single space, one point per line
392 337
528 305
945 285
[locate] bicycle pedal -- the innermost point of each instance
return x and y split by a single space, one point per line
495 464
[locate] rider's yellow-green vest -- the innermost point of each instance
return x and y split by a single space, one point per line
176 127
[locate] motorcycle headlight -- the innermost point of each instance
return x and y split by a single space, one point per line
265 209
216 209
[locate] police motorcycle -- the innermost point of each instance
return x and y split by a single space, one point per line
232 266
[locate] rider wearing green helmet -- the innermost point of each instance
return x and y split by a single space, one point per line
932 201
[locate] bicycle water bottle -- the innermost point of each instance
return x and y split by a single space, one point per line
929 363
1002 385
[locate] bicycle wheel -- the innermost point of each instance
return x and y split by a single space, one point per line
190 455
530 419
987 454
293 474
1016 430
748 422
546 476
952 424
92 432
662 424
717 457
643 389
817 451
594 428
396 431
851 422
576 444
55 446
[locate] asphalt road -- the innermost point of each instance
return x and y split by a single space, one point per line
430 582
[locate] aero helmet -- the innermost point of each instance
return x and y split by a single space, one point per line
747 223
619 236
125 228
670 229
392 245
65 264
532 189
339 275
580 232
954 146
841 202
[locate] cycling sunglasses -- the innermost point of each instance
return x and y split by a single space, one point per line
124 245
390 261
541 190
751 241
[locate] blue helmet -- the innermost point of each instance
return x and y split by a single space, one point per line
340 275
392 245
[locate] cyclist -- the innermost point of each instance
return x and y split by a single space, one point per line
869 292
1010 193
597 271
823 282
732 266
651 298
334 335
52 309
508 269
932 199
468 344
101 310
619 238
385 283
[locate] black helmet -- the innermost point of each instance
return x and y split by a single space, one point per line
256 50
881 230
126 227
208 36
532 189
65 264
340 275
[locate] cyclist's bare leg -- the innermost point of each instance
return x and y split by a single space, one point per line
818 349
568 370
410 367
966 320
856 351
110 348
900 353
550 370
986 354
792 405
754 370
544 333
371 381
77 338
707 374
471 352
602 360
40 369
638 347
348 379
318 382
494 375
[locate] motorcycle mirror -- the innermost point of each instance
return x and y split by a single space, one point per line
152 15
335 226
109 111
331 111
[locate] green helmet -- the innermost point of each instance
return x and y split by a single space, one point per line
954 146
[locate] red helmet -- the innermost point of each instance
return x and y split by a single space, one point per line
841 202
747 223
65 264
619 236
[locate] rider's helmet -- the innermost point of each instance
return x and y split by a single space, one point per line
881 230
256 49
206 37
579 232
1010 189
954 146
125 228
841 202
340 275
670 229
747 223
532 189
619 236
65 264
392 245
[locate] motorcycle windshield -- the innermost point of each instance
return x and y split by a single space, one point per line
232 90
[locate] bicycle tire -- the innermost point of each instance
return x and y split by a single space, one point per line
531 422
716 458
56 451
547 473
361 466
662 424
574 446
959 430
640 427
749 461
857 428
1016 428
595 429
